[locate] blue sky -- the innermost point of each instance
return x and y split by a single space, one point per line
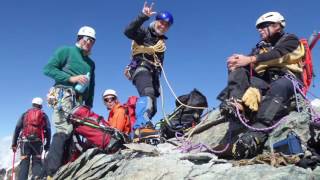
204 34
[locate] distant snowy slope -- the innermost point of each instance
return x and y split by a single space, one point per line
6 153
315 102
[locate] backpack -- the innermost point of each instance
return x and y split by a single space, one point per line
86 124
130 107
307 66
33 124
183 117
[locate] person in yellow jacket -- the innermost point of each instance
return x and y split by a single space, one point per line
262 73
117 116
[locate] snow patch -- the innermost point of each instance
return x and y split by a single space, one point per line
315 102
6 154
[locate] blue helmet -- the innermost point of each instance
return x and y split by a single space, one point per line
165 16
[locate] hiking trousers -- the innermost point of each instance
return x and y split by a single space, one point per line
274 86
277 91
66 102
147 84
30 150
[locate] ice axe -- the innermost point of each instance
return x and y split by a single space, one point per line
312 41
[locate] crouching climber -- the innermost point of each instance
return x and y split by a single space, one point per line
118 118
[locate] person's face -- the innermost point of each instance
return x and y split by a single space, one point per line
267 30
86 43
162 26
110 101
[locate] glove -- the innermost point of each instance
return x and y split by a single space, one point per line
252 98
14 148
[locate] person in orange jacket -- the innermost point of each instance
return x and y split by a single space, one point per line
117 115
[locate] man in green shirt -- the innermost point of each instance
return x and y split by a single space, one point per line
71 68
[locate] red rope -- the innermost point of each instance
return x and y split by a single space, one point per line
12 172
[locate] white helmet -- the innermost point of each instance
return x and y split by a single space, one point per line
110 92
37 100
274 17
87 31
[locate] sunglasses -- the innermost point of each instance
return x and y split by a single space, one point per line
87 38
263 25
109 99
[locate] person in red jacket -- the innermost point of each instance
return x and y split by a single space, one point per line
117 115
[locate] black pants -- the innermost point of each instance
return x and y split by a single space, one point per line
56 153
277 91
31 150
147 84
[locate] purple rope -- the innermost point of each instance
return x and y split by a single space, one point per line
187 146
314 115
296 86
214 151
243 119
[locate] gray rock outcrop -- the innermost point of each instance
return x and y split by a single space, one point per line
132 164
165 161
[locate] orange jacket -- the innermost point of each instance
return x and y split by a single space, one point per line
118 119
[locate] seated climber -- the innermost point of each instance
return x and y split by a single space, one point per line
120 118
263 73
117 116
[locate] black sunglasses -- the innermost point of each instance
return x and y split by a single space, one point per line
109 99
87 38
263 25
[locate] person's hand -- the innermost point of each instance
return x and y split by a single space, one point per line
82 79
14 148
239 60
147 10
231 62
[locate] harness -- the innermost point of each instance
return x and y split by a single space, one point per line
55 96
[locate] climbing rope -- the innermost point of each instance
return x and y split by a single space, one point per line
160 46
298 86
187 146
297 89
152 50
174 94
244 121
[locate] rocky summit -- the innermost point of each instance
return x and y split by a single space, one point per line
169 160
135 163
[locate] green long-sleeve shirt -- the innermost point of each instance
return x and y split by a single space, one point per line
70 61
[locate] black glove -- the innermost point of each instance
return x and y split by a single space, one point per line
14 147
